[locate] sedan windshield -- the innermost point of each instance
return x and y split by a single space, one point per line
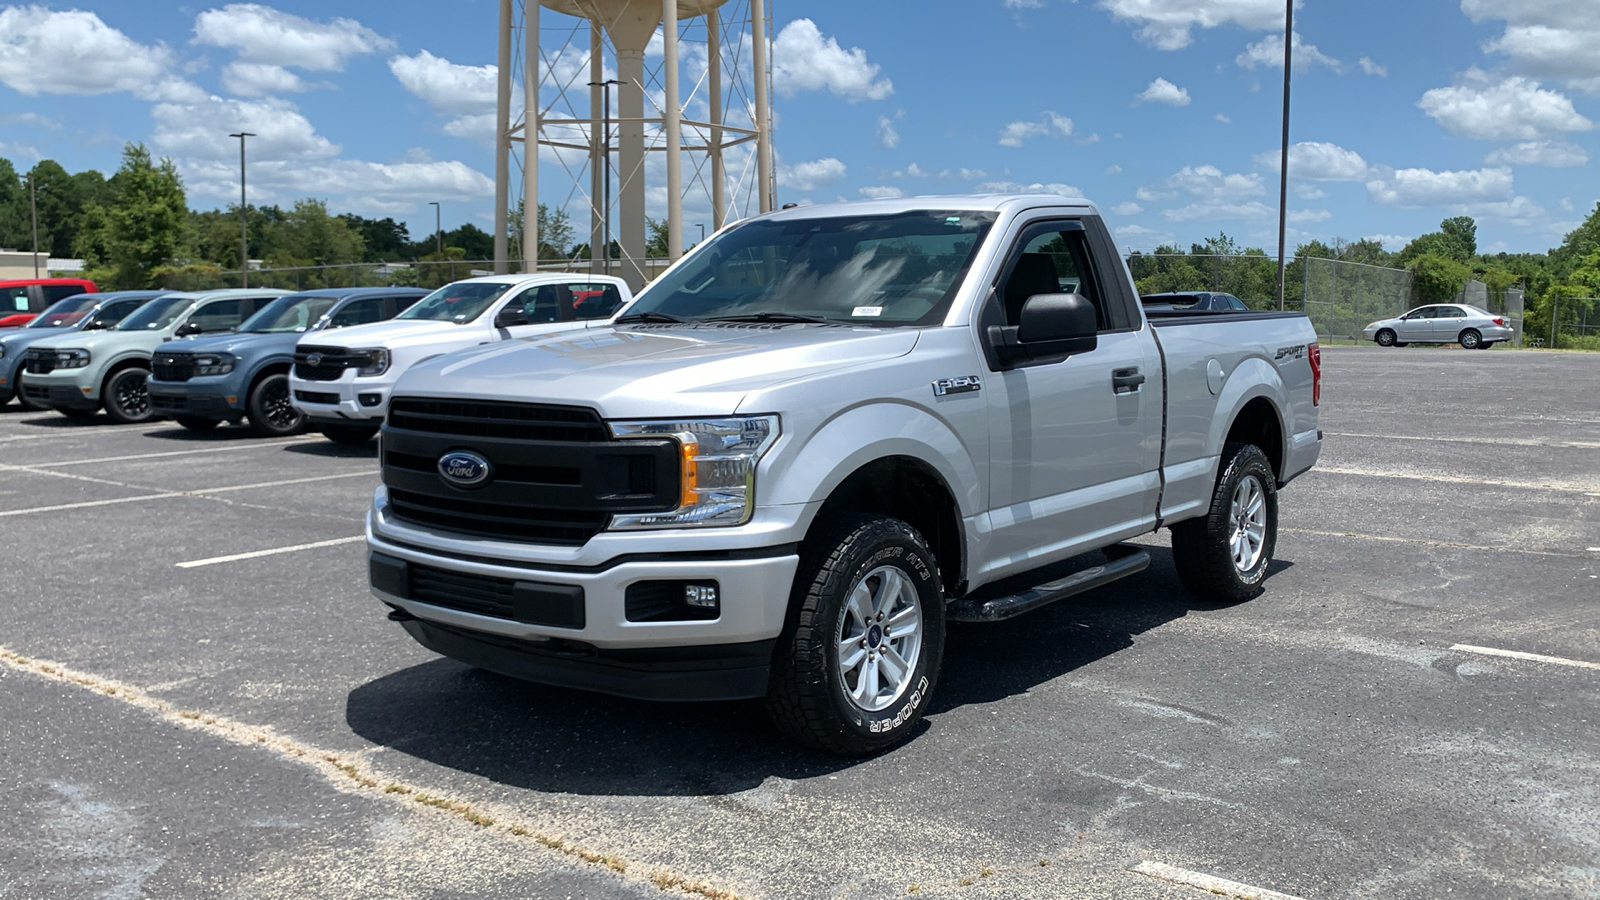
156 314
65 312
460 302
288 315
900 269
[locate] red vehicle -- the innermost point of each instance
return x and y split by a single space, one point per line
23 298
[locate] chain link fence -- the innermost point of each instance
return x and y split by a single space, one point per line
1575 325
425 274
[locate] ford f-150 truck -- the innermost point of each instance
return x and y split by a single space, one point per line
341 381
816 439
229 377
77 374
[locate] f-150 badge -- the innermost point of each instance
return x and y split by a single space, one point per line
961 384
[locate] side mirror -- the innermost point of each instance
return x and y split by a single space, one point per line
187 329
93 325
1051 325
511 316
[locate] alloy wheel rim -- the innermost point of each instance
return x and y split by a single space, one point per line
879 639
133 399
1247 532
280 412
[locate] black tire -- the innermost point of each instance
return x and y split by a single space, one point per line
126 398
194 423
1402 343
1209 562
349 435
271 413
1384 338
1484 345
78 415
811 696
1469 339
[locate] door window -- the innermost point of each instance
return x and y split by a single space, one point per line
54 292
218 316
16 298
1451 312
358 312
1053 259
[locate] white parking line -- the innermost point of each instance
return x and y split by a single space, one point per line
194 564
237 448
1531 657
1210 883
1509 442
1579 487
87 503
267 484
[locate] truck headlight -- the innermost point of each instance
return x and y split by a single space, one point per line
214 363
377 362
72 359
718 477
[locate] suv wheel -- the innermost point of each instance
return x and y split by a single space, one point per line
349 435
1223 556
859 657
126 398
271 413
197 424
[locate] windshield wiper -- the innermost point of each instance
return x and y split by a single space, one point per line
647 317
772 317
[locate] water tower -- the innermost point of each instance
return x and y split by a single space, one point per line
613 141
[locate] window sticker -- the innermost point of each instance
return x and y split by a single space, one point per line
867 311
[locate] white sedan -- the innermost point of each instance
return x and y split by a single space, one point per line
1442 323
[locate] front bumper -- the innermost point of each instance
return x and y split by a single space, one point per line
208 398
58 393
350 399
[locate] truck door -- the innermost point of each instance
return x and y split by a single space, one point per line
1075 441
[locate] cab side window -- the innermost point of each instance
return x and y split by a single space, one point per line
358 312
15 298
218 316
54 292
594 301
1051 260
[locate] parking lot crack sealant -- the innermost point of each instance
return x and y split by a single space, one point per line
349 773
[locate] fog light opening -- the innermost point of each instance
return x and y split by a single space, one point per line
370 399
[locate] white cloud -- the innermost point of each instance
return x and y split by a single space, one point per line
1553 38
1016 132
1166 24
200 130
74 52
1223 119
445 86
1514 109
972 174
1211 192
888 136
1209 183
812 175
1317 161
804 60
1269 52
1130 236
379 187
1253 209
1164 91
1113 169
1303 216
1127 209
1391 242
1023 4
1015 187
1371 68
1413 188
882 193
1309 192
1556 154
261 34
248 79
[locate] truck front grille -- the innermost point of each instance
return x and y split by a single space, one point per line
459 590
489 419
172 366
39 362
528 524
326 363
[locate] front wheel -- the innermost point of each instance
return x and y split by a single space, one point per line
1384 338
271 413
1470 340
1223 556
349 435
127 398
194 423
859 657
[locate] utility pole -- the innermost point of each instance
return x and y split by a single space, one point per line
244 216
33 204
1283 164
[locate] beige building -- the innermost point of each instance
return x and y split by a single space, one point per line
19 264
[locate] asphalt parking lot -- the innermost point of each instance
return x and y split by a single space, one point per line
187 717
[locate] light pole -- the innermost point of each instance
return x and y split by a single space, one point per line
702 232
1283 160
244 216
605 211
33 205
438 231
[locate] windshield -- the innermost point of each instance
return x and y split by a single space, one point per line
156 314
898 269
460 302
65 312
288 314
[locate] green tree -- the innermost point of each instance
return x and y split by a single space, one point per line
1436 278
308 236
386 240
473 241
1465 232
1579 243
16 228
1456 239
145 223
60 201
655 247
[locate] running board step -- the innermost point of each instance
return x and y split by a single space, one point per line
1121 560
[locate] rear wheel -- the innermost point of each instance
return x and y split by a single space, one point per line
1384 338
1470 339
194 423
271 413
1223 556
349 435
857 660
1484 345
126 397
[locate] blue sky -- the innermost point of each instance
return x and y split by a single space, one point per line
1164 112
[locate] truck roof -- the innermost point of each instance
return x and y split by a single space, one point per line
523 277
998 203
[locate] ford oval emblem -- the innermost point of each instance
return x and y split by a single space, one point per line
314 360
464 469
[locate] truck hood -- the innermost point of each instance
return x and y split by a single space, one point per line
654 371
393 334
236 344
112 340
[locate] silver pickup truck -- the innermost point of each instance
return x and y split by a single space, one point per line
815 440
